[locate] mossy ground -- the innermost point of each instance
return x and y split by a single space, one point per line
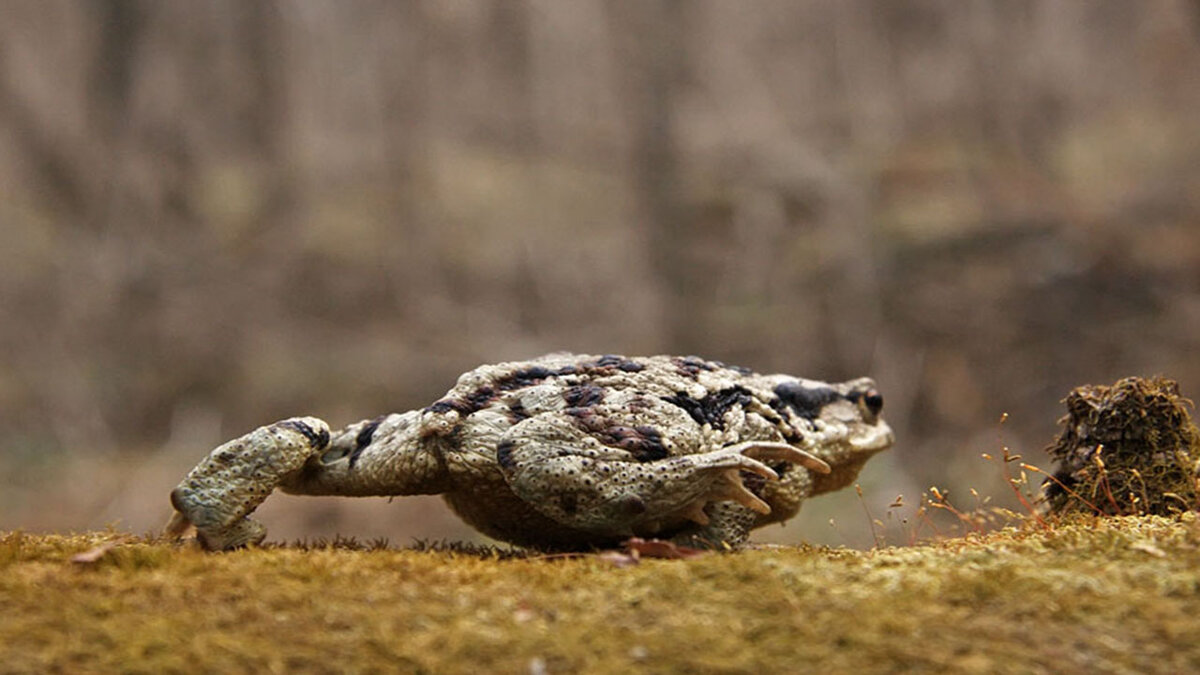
1095 595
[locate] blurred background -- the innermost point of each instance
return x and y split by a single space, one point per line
217 214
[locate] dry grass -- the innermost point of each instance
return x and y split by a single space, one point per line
1102 595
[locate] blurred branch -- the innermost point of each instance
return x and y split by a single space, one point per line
652 35
54 161
122 24
263 37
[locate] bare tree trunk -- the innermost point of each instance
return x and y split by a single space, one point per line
651 35
509 36
122 23
264 37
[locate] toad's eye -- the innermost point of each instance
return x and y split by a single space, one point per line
873 400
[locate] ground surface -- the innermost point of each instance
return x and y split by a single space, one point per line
1115 595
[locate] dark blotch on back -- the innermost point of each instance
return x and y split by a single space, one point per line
318 440
712 408
804 401
740 370
446 405
692 365
479 398
483 396
363 439
475 401
614 361
645 443
583 396
524 378
517 412
504 454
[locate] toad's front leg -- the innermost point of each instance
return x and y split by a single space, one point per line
225 487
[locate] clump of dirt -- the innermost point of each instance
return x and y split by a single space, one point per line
1129 448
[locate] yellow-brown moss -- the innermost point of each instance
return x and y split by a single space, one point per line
1114 594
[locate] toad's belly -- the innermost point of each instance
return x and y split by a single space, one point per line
498 513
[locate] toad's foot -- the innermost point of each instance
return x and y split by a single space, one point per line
234 479
748 456
726 525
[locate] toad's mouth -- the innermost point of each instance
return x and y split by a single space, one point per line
872 439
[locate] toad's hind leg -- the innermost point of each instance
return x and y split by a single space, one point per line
218 495
612 492
397 454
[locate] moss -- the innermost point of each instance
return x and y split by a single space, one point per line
1089 593
1124 449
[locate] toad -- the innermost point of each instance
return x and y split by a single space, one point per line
567 452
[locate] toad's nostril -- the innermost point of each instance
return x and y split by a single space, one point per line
874 401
